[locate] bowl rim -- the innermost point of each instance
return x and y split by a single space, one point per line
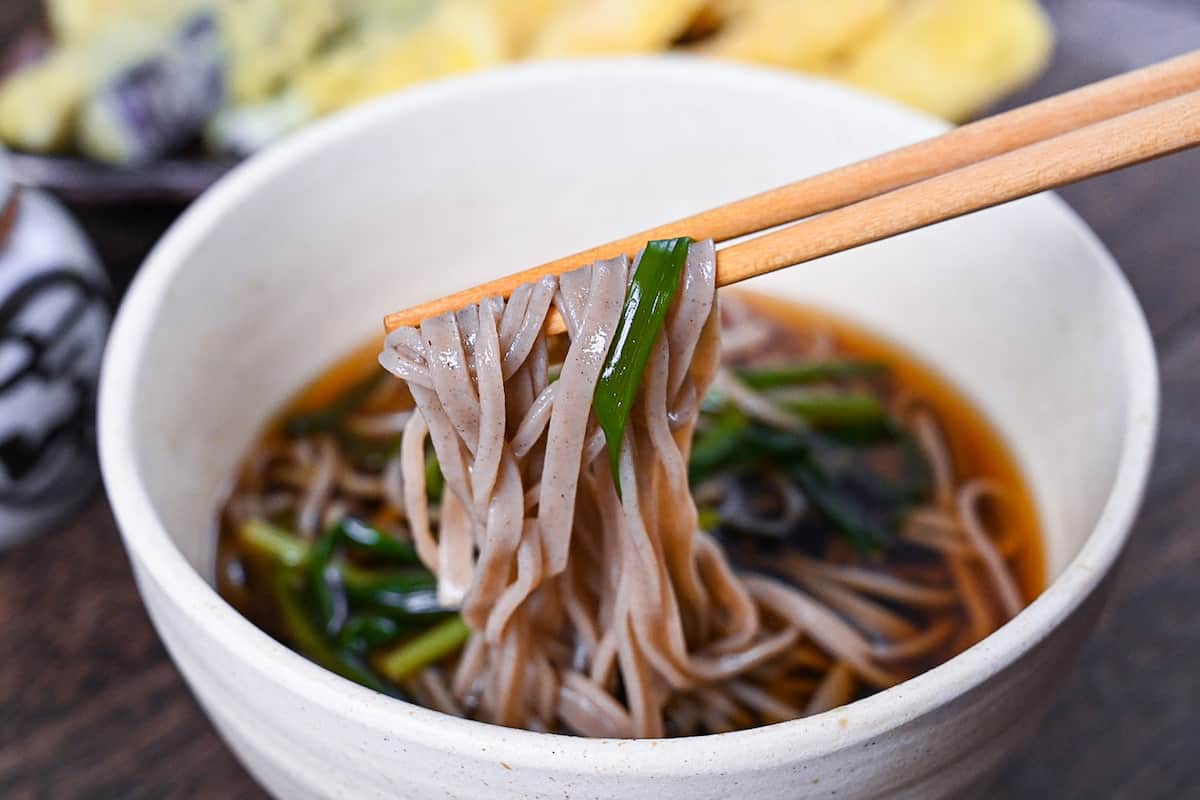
149 545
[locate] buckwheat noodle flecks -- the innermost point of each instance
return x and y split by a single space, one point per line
600 607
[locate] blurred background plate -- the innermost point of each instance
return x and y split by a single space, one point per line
129 109
81 182
167 91
84 182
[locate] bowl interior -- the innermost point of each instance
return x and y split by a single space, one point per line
296 257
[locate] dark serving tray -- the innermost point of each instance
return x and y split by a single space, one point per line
83 182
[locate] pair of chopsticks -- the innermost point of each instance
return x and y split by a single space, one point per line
1118 122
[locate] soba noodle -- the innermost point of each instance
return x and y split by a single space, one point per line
676 594
598 606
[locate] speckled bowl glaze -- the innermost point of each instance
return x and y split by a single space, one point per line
295 257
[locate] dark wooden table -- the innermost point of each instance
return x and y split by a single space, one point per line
90 705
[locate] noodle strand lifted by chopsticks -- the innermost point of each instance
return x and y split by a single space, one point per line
596 604
650 605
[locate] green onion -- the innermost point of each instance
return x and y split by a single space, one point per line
650 294
842 470
389 601
772 445
326 577
435 482
856 410
733 442
716 445
274 543
366 632
310 641
289 550
802 374
362 578
708 518
414 655
370 541
847 515
411 595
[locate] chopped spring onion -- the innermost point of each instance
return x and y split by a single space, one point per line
357 608
839 463
326 576
409 595
435 482
650 294
312 642
368 631
716 444
432 646
708 518
847 515
368 540
838 410
735 441
362 581
289 550
275 543
807 373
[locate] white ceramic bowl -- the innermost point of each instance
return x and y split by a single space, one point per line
295 257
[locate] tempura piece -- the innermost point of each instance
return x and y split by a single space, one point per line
800 34
596 27
453 37
953 58
157 105
39 104
269 40
75 21
523 19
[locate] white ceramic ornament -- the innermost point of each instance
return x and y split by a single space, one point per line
55 311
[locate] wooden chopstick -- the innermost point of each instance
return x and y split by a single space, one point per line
1151 132
847 187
